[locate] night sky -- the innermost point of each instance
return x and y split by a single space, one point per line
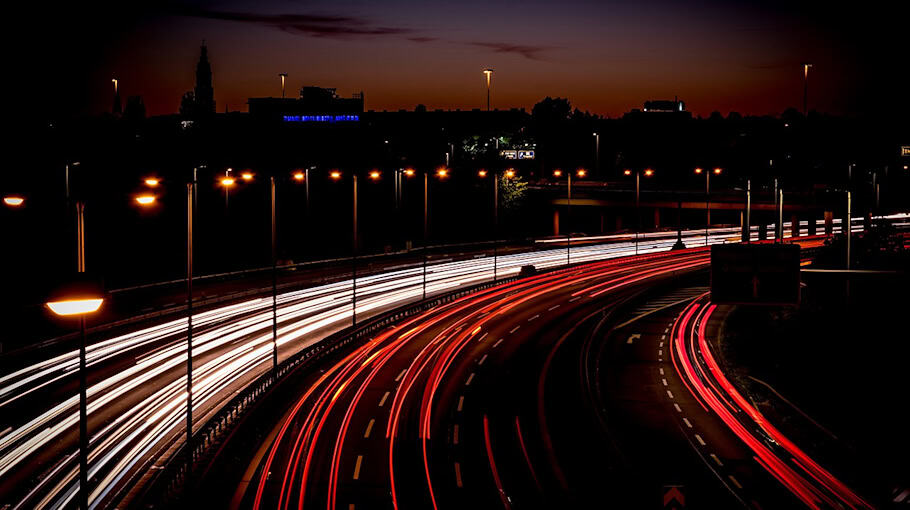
606 57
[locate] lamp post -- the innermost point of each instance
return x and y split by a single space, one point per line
748 233
580 173
806 67
648 173
716 171
274 276
489 75
596 153
79 299
780 214
146 201
354 256
283 77
508 174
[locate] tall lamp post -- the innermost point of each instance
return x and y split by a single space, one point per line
716 171
580 173
648 173
284 77
508 174
596 153
148 200
806 67
489 75
79 298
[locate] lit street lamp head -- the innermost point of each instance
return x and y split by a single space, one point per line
152 182
13 200
247 176
79 306
627 172
581 172
510 173
557 173
717 171
482 173
699 170
442 173
335 174
409 172
375 175
227 182
298 176
145 200
80 294
649 172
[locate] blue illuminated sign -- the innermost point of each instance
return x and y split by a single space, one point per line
322 118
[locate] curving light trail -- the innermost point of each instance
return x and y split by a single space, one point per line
791 466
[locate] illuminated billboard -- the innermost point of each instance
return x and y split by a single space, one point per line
322 118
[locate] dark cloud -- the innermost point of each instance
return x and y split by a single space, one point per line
315 25
422 39
527 51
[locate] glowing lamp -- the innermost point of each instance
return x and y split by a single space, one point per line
699 170
145 199
582 172
13 200
409 172
75 306
510 173
482 173
227 181
557 173
374 175
627 172
152 182
247 176
335 174
299 176
649 172
442 172
717 171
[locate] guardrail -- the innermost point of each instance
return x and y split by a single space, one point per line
168 488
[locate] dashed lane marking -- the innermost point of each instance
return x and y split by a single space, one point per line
482 337
663 380
699 439
357 467
574 299
514 329
676 406
455 434
484 358
366 434
661 371
398 378
470 378
532 318
458 475
554 307
498 342
670 393
735 482
384 397
687 422
460 403
717 460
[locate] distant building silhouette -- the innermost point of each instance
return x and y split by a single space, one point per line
312 101
664 106
204 93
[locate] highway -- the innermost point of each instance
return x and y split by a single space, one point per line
523 396
137 379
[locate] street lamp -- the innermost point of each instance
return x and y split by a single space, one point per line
716 171
508 174
284 77
79 297
806 67
13 200
648 173
145 199
596 153
152 182
581 173
489 75
247 176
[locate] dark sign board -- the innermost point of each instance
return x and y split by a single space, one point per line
755 274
